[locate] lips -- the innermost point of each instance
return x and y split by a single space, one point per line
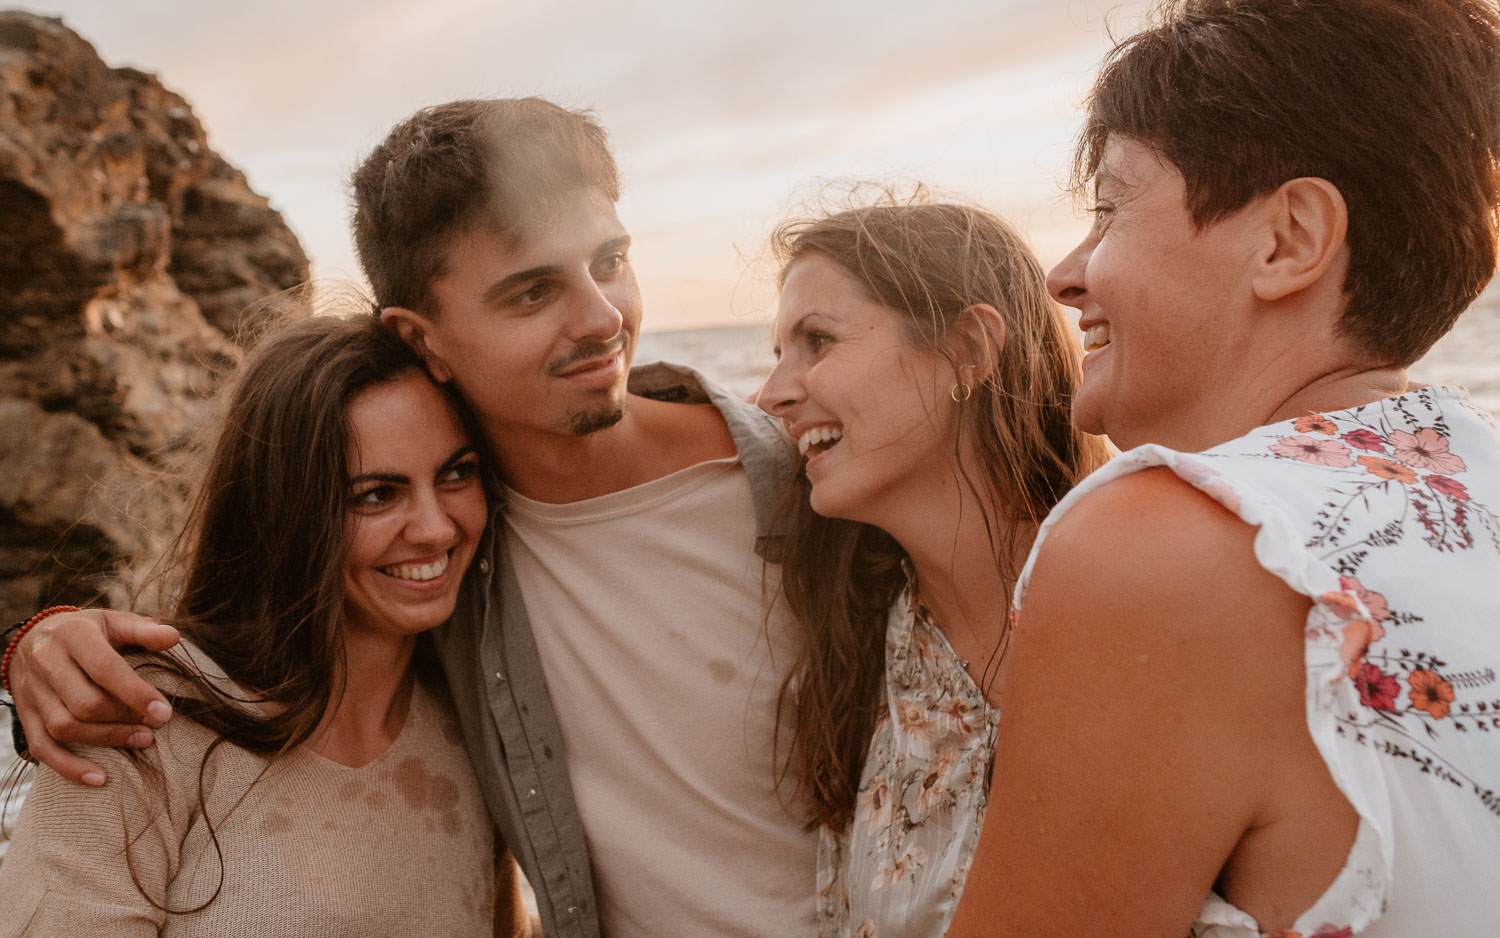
588 358
591 366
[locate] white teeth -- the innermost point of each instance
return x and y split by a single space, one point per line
425 571
1097 337
816 435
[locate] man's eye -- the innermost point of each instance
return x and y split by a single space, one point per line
532 295
817 340
610 264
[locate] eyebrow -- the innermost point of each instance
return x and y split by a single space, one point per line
501 287
397 478
1105 177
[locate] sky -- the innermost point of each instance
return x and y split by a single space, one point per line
724 116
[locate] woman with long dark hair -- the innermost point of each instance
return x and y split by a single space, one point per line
314 780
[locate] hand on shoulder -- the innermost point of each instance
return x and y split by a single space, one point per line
72 685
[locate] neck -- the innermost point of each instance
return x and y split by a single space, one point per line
559 467
377 689
1277 374
962 583
651 440
1341 389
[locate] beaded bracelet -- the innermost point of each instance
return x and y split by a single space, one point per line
10 649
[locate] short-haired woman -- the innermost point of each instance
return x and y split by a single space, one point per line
1253 689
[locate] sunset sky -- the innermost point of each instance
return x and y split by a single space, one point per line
724 115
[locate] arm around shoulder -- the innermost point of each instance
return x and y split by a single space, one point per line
71 685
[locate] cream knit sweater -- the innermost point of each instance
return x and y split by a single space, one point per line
401 846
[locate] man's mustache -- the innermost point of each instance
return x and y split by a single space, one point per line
587 351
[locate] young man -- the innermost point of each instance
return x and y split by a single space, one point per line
611 654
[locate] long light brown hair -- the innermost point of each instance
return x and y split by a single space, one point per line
930 263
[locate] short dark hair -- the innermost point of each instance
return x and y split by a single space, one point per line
455 166
1395 102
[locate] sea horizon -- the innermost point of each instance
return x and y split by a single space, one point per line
739 357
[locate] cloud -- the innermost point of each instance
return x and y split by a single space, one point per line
718 111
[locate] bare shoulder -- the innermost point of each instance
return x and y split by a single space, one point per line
1155 673
1147 573
685 434
1151 537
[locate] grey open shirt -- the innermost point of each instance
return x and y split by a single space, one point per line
491 661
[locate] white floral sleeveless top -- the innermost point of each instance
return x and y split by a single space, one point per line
1386 517
899 870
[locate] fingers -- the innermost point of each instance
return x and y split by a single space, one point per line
125 629
70 658
111 690
44 748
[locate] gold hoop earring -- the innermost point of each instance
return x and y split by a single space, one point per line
961 392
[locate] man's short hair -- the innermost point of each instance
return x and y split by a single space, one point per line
489 164
1395 102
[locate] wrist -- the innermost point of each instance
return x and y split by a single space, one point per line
18 632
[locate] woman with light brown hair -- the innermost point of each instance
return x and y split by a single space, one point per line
925 375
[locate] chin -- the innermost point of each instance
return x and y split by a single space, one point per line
1087 414
594 419
827 501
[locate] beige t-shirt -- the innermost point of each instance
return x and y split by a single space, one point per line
648 607
401 846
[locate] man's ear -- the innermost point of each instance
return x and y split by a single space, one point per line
975 343
1308 225
413 328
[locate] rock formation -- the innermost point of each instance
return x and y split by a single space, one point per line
128 252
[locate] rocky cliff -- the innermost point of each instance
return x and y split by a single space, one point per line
128 253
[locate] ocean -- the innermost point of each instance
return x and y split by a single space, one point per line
739 357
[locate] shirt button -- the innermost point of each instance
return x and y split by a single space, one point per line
484 565
531 793
572 910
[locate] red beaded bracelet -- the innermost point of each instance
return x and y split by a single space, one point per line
10 649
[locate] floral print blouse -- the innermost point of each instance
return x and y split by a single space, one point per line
900 868
1386 517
